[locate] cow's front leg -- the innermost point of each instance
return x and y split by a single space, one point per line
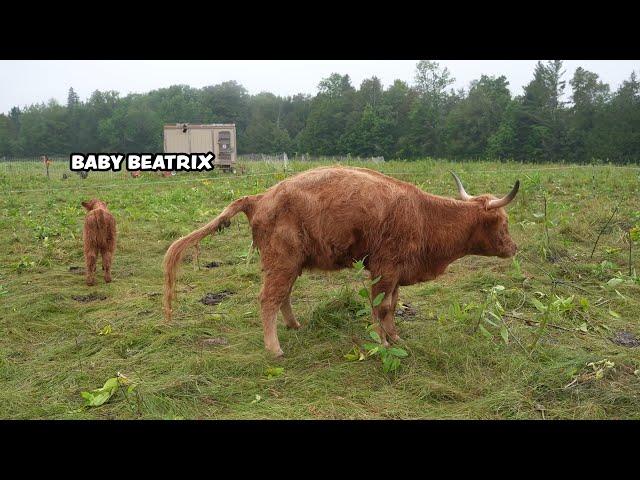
392 313
384 313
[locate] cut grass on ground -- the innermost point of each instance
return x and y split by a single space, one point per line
210 361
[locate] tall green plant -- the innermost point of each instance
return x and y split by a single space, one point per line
390 356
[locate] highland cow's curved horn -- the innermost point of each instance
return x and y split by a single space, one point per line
461 191
504 201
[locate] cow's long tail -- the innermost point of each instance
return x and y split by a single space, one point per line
174 254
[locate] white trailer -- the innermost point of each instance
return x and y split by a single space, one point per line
219 138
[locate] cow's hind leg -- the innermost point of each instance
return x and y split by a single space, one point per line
287 313
275 290
281 260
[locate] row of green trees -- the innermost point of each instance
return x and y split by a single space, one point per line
427 118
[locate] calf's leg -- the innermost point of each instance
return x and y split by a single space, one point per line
90 256
107 257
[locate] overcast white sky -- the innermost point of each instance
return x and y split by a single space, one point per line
23 82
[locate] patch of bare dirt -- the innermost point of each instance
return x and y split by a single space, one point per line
215 341
78 270
92 297
215 298
212 264
625 339
406 311
556 255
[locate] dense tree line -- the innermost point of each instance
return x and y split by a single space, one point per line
427 118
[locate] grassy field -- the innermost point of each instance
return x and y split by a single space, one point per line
558 341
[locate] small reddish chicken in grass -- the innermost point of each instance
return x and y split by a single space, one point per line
326 218
99 237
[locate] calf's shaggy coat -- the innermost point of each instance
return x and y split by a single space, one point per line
99 237
326 218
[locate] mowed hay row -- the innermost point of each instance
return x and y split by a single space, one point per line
60 337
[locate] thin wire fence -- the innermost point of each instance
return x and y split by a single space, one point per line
284 158
43 174
57 167
49 167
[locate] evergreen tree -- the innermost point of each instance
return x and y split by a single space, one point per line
588 98
428 113
330 115
474 119
74 115
73 100
400 121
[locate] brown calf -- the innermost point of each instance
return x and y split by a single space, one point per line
99 236
326 218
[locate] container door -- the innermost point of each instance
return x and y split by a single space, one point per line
201 140
175 141
224 147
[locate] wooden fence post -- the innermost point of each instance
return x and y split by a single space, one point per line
46 161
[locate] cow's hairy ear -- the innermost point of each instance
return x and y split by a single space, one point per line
86 205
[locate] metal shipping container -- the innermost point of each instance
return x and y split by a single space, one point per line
219 138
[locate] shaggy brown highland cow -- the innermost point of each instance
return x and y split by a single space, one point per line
326 218
99 236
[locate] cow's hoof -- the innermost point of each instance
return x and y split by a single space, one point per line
293 326
276 353
396 339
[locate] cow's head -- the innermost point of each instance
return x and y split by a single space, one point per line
93 204
491 237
